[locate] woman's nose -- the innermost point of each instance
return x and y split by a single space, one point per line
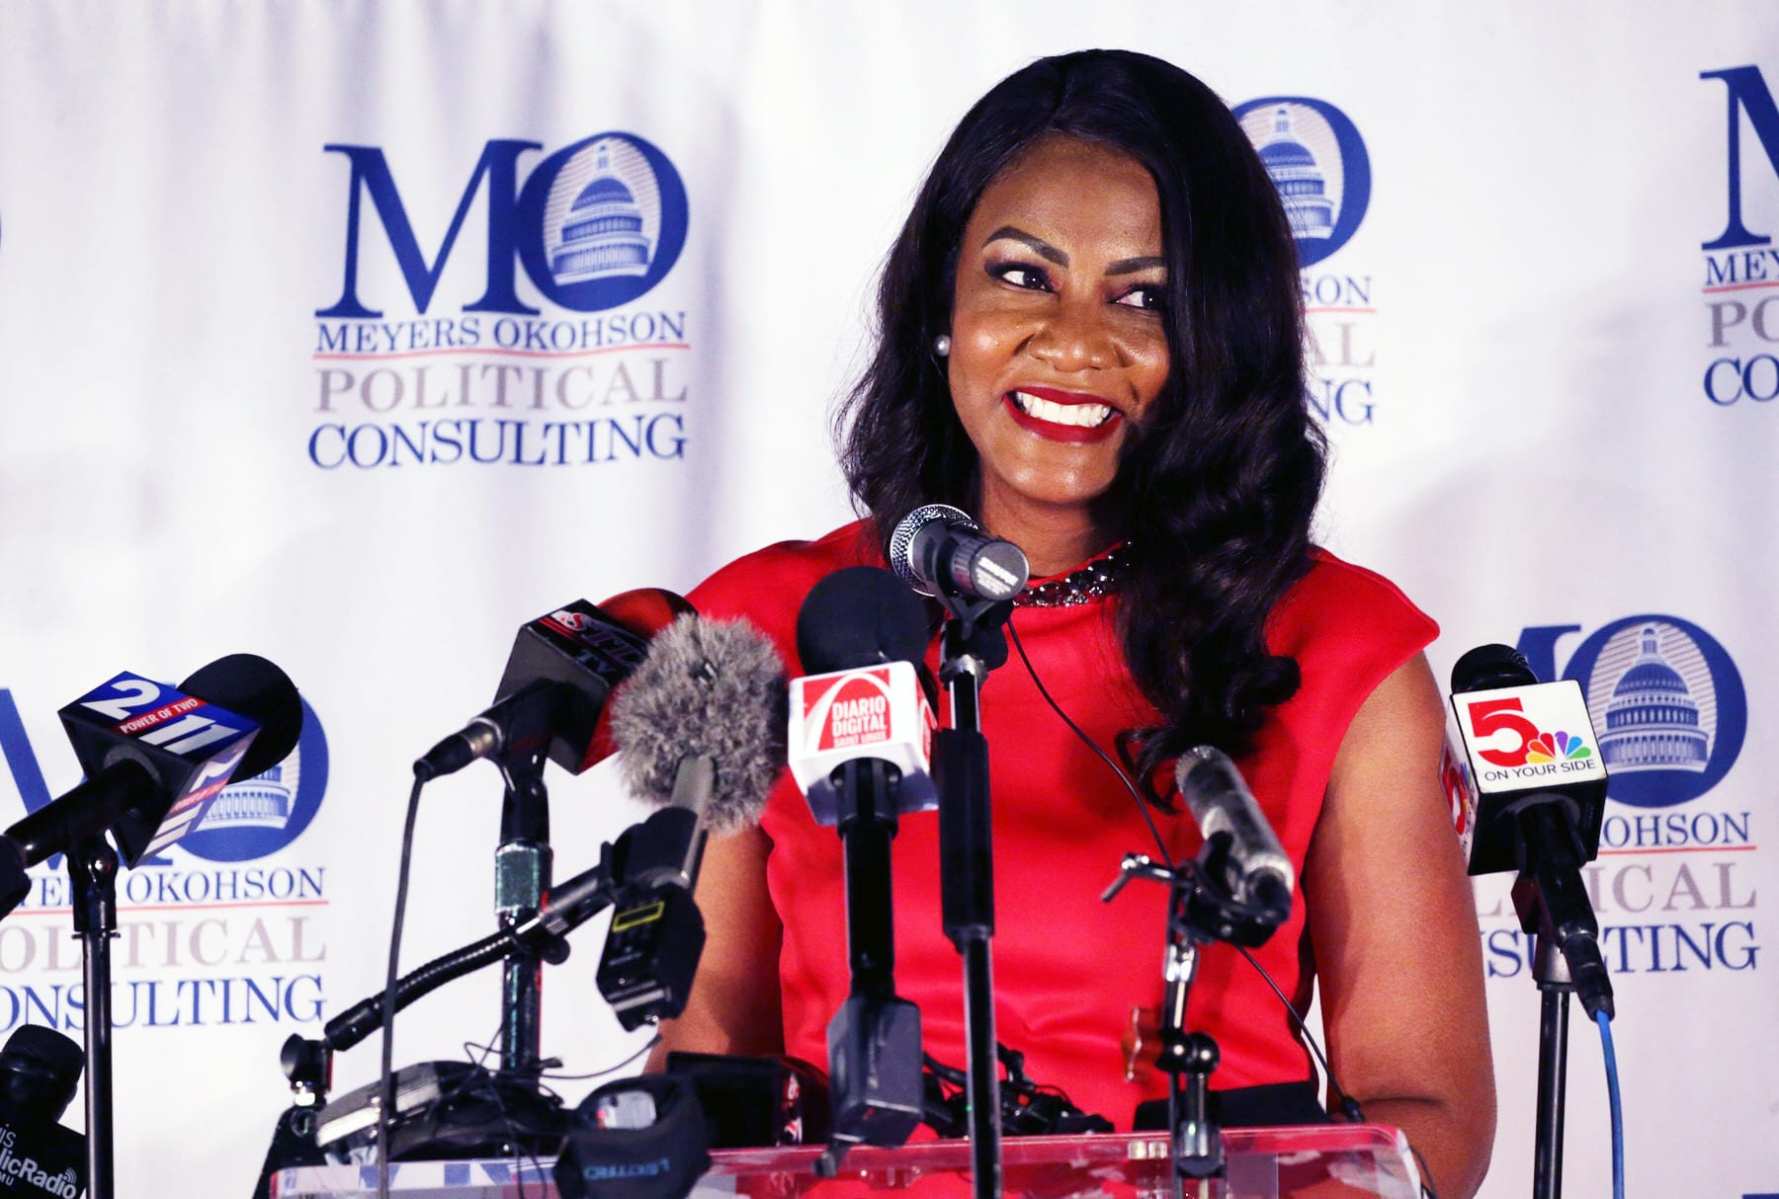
1075 338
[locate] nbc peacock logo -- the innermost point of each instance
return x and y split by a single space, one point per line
1559 746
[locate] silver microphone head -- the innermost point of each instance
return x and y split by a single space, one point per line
1220 802
901 543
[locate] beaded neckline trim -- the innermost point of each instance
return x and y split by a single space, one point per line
1098 578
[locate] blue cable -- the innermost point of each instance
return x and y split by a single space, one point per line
1618 1115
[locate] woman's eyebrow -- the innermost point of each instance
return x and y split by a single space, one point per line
1043 248
1125 266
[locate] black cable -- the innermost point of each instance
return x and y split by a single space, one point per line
1160 845
386 1091
1349 1106
653 1041
479 1061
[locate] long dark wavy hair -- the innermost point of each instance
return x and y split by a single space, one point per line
1217 487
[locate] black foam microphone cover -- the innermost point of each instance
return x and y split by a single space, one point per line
1489 666
860 616
248 685
39 1072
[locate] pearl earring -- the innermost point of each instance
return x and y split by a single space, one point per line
942 344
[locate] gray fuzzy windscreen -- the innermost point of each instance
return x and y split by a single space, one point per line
707 687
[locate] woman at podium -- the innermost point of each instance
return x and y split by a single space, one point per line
1091 339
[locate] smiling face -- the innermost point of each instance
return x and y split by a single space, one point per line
1057 344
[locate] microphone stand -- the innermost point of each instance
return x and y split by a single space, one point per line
522 865
971 645
1550 971
1201 909
92 871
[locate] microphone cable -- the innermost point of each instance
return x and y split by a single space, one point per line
1612 1096
1349 1106
386 1080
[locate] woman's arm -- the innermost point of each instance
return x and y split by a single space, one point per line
733 1007
1392 923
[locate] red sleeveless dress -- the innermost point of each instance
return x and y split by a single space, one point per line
1070 970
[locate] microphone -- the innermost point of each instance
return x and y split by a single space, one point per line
860 635
1540 797
1255 870
708 689
860 746
558 677
153 757
695 713
701 728
39 1071
939 551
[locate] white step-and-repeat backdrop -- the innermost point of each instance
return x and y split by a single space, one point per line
301 352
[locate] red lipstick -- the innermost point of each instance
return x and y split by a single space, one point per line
1075 434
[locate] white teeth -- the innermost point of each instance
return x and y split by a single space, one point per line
1083 416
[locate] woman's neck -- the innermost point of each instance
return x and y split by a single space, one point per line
1055 538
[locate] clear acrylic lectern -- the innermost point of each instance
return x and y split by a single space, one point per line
1348 1161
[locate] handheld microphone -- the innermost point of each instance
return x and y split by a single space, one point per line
861 719
1540 797
557 680
701 731
154 756
939 551
1256 871
39 1071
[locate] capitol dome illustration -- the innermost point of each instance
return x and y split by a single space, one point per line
602 236
1652 722
264 801
1299 180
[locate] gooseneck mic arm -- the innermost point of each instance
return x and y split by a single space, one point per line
569 906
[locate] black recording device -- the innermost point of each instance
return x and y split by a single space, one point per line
657 934
39 1071
443 1110
754 1101
636 1138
